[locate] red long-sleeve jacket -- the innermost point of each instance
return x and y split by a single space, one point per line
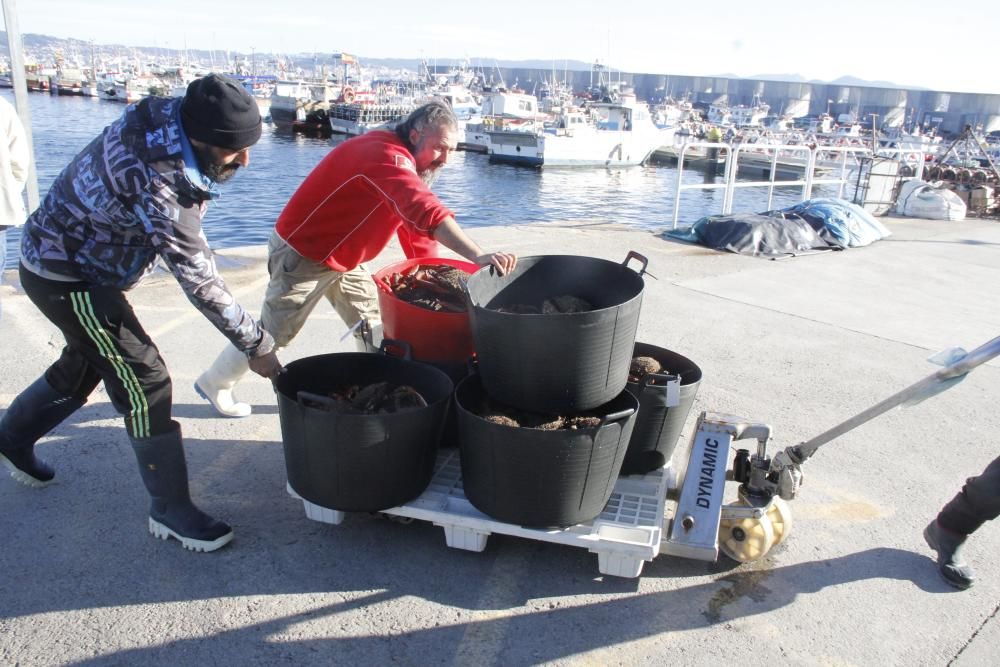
365 190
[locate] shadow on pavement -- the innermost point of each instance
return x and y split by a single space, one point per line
82 544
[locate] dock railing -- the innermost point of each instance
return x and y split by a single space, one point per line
810 178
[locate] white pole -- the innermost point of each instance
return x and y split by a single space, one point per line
20 83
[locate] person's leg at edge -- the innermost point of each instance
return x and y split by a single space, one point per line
976 503
45 404
3 261
40 408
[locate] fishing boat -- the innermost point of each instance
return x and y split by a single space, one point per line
303 105
740 115
129 89
357 118
671 113
461 100
37 78
607 134
70 81
384 104
508 116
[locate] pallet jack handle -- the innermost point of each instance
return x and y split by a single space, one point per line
957 364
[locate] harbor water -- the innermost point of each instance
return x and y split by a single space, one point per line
480 193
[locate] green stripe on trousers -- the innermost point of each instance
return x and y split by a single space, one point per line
139 413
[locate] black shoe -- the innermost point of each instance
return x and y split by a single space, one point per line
946 543
26 468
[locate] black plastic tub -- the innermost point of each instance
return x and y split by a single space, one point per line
531 477
456 371
561 361
360 463
658 427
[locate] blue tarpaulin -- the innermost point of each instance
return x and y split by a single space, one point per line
840 222
810 226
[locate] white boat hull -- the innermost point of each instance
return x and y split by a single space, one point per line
595 148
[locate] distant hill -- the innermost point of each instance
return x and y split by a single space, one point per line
39 44
30 41
35 44
45 45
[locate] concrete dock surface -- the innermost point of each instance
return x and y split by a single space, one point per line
801 344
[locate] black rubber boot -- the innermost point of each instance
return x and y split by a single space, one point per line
36 411
172 514
950 564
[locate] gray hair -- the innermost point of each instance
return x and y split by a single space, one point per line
436 113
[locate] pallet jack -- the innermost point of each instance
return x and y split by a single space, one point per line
761 518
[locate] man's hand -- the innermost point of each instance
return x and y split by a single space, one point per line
503 261
266 365
452 237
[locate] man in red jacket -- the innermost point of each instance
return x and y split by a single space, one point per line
345 212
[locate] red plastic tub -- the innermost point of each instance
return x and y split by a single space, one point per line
433 336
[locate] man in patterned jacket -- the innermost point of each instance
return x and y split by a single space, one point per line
136 194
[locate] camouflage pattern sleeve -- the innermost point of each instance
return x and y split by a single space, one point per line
175 229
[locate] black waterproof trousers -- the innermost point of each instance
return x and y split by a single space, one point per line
104 341
976 503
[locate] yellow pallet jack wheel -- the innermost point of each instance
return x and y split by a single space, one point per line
780 514
746 539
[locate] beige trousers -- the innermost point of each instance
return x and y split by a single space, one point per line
297 284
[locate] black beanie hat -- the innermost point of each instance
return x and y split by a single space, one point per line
220 112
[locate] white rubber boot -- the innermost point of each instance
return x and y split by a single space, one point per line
216 384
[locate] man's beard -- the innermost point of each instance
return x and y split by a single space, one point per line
210 169
428 176
220 173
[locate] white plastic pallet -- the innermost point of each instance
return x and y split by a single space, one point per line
625 535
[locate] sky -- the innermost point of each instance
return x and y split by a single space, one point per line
916 43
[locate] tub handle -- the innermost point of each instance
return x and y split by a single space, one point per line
306 397
660 380
632 254
403 349
616 416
